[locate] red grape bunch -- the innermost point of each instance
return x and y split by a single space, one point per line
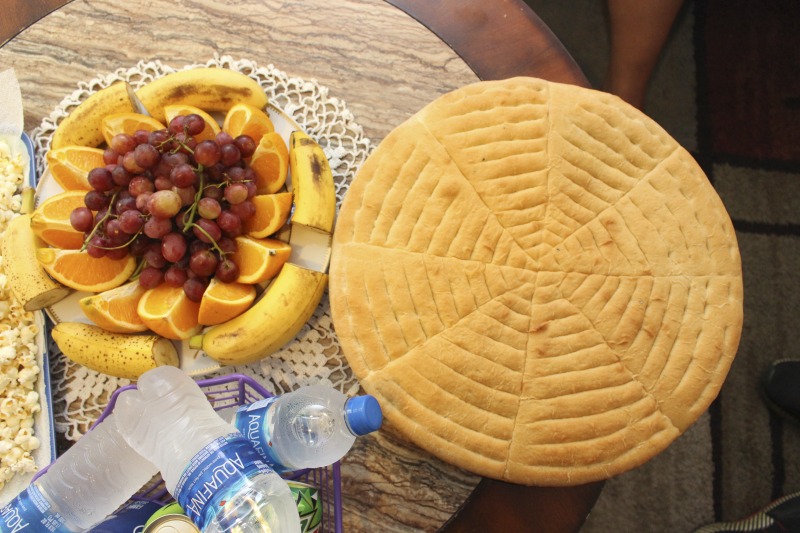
175 203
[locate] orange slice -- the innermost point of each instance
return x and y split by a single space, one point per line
224 301
50 221
70 166
115 309
272 212
270 162
128 123
82 272
211 129
259 259
169 312
244 119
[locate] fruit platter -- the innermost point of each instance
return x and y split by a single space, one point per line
187 224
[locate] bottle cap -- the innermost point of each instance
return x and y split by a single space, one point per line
363 414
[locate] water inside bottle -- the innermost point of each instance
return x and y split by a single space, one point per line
248 513
313 425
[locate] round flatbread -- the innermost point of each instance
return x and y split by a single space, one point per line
537 282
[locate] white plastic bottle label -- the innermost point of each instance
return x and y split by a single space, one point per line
253 421
31 512
215 473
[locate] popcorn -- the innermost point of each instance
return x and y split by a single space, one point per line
7 355
19 368
27 377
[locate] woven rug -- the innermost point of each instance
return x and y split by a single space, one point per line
728 88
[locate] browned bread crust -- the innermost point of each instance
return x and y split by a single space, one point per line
537 282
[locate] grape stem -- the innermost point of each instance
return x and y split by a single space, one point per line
128 242
138 270
210 238
180 143
99 223
192 212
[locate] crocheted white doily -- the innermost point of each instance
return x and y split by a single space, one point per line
315 356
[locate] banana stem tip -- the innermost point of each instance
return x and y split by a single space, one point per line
196 342
28 196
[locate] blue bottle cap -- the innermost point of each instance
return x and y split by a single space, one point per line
363 414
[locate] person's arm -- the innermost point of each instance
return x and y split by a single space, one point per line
639 29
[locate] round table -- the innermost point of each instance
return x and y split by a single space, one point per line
385 63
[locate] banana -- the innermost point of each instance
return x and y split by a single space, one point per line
31 285
210 89
312 183
271 322
83 126
116 354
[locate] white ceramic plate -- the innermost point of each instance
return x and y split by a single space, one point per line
43 426
306 251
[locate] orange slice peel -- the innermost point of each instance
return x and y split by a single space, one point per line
128 123
224 301
167 311
270 162
116 309
259 260
245 119
82 272
272 212
50 221
70 166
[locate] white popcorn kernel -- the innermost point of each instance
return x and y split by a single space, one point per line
7 354
32 398
26 464
32 443
23 435
8 407
5 381
15 454
28 376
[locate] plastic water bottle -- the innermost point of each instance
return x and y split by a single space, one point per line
213 472
99 473
311 427
130 518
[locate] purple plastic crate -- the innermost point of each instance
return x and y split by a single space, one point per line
238 389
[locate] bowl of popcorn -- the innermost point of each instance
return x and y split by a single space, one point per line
27 440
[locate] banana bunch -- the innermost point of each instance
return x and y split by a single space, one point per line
210 89
115 354
29 282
